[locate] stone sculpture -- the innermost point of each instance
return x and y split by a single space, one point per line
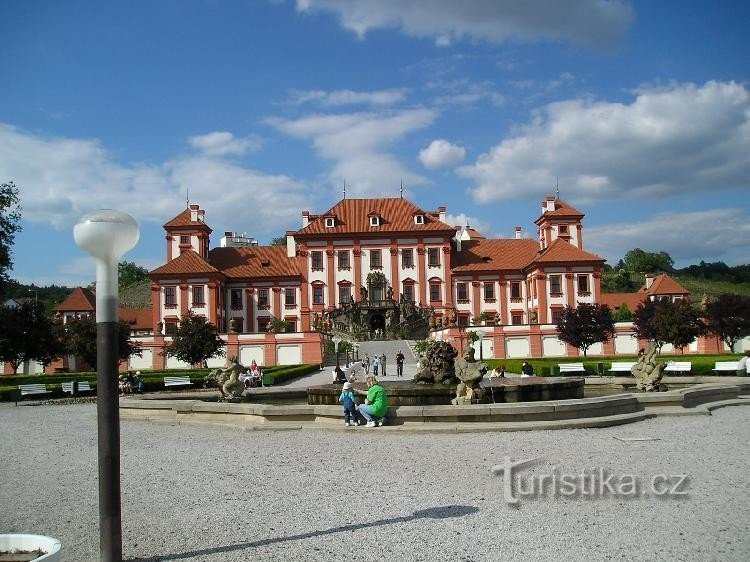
470 372
647 372
228 380
437 364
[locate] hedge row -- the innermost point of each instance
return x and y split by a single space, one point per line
287 372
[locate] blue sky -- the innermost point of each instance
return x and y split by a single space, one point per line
640 110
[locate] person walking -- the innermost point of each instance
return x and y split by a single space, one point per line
399 364
382 364
366 364
375 365
350 408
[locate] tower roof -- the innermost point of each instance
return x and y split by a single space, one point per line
561 210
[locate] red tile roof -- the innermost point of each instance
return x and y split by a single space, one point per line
136 318
183 219
254 261
80 300
616 300
562 209
561 251
187 262
664 285
494 254
352 216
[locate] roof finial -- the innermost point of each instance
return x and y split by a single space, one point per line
344 188
402 189
187 197
557 187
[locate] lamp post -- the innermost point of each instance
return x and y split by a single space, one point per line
336 341
107 235
480 334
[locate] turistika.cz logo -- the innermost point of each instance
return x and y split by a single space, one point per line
595 482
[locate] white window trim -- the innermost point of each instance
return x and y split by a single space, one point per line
330 222
418 219
374 221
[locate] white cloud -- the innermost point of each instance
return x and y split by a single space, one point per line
688 237
462 219
594 22
441 153
59 179
668 141
357 144
336 98
222 143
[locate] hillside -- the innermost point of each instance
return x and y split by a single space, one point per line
697 286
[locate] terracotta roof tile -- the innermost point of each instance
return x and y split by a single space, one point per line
183 219
188 262
352 216
561 251
562 209
136 318
664 285
494 254
616 300
254 261
80 300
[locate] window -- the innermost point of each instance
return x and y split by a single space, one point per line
291 325
563 229
515 289
170 328
408 292
435 292
345 294
555 285
317 261
330 222
377 293
516 318
237 324
418 219
343 259
556 313
407 258
290 297
184 239
263 322
375 259
263 298
198 295
318 294
235 299
433 257
461 292
489 291
463 320
170 296
583 283
375 221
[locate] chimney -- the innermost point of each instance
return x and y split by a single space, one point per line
441 214
519 232
305 218
649 281
291 244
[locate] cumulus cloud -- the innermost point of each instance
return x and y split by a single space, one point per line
668 141
222 143
593 22
348 97
357 144
462 219
60 179
686 236
441 153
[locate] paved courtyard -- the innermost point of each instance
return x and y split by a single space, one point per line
197 493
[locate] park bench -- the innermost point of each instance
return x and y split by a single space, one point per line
622 367
32 389
678 367
177 381
83 386
723 366
571 368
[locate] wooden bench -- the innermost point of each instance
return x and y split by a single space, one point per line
622 367
722 366
31 389
678 366
83 386
177 381
571 368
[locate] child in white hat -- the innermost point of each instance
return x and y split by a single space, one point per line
350 406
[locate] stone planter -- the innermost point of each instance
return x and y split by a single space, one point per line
19 542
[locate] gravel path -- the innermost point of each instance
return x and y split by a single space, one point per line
195 493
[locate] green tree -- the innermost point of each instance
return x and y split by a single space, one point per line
278 241
80 340
728 318
129 273
640 261
27 333
585 325
666 321
196 341
10 215
623 314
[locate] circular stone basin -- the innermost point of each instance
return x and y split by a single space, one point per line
497 391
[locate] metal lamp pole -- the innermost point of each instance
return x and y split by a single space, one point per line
336 341
107 235
480 334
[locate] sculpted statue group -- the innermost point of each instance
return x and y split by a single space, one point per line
228 380
440 366
647 372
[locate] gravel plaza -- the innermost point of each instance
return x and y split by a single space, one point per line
198 493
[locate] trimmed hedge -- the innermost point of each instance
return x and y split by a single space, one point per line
275 375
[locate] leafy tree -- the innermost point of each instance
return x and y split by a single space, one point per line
728 318
618 282
585 325
640 261
278 241
80 340
665 321
129 273
195 341
27 333
10 215
623 314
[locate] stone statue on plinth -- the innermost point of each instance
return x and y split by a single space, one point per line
437 364
470 372
647 372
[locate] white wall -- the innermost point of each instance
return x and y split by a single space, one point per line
288 355
517 347
553 347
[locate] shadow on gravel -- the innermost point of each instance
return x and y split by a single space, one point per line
442 512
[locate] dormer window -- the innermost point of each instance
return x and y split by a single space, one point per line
374 220
563 229
418 219
330 222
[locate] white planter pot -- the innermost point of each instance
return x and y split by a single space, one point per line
32 542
